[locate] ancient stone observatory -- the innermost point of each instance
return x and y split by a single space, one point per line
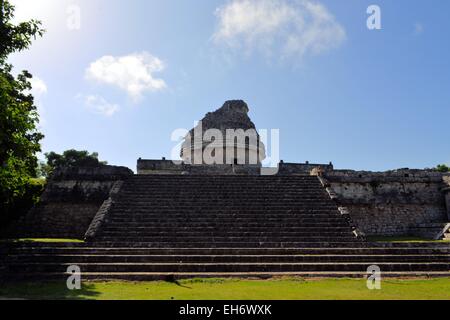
226 136
79 202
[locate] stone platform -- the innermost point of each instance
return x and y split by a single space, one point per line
165 227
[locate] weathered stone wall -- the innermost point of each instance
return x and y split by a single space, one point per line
301 168
69 203
393 203
159 167
181 168
447 194
169 167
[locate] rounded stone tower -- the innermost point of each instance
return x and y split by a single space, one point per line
226 136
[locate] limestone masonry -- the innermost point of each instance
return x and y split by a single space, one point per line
393 203
192 218
70 201
243 144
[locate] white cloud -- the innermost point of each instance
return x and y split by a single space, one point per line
38 91
38 87
288 29
133 73
99 105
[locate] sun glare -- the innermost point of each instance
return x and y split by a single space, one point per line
42 10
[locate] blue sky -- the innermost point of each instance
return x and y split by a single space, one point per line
134 71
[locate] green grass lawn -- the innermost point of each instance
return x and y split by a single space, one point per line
221 289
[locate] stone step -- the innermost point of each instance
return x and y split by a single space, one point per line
200 191
232 202
170 229
223 177
227 212
98 258
231 233
223 217
230 187
227 186
182 223
170 276
146 195
222 235
235 220
223 197
187 184
217 179
238 190
223 225
228 244
276 191
167 276
220 181
225 239
205 225
55 250
231 267
212 216
226 208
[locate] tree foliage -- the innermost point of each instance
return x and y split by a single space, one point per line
443 168
69 158
18 37
19 137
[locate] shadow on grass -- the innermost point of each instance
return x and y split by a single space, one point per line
171 279
46 291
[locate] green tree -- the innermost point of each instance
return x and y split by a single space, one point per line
69 158
443 168
18 37
19 137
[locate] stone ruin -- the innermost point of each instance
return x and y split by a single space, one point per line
229 133
394 203
232 216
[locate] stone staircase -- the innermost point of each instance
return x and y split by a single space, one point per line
45 262
166 227
216 211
